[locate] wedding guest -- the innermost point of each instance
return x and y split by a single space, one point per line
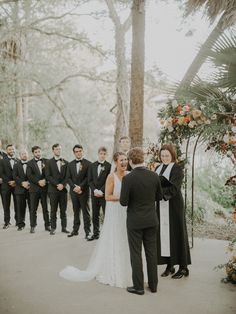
99 170
22 188
77 178
56 169
173 246
38 188
8 184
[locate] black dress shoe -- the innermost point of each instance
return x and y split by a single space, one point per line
48 228
20 228
32 230
6 226
168 270
73 233
135 291
87 236
152 290
180 273
93 237
65 231
52 232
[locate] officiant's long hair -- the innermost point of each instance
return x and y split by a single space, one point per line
171 149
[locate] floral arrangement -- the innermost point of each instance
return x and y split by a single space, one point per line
181 119
230 266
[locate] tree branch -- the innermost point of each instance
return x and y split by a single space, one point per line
112 12
83 40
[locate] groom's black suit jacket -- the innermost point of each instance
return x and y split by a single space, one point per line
140 189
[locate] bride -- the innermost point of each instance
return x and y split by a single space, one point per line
110 261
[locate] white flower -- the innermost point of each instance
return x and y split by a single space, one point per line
202 107
226 138
170 129
229 154
192 124
208 121
214 117
234 129
174 103
182 112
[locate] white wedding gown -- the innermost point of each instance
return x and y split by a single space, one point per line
110 261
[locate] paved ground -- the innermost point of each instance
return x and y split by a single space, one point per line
29 281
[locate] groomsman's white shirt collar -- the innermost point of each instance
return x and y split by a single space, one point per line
12 161
39 164
138 165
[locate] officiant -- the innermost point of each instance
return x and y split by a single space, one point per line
172 239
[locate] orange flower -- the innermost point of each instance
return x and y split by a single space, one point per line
179 109
174 120
187 119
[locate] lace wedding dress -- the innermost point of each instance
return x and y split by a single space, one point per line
110 261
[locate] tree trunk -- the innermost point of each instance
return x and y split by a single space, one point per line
19 119
137 74
122 89
201 56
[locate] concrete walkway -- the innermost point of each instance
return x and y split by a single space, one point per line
29 281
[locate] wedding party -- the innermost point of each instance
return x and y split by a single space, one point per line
117 156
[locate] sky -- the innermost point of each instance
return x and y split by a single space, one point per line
168 44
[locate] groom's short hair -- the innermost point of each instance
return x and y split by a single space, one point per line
136 155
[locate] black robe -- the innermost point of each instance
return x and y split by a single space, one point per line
179 246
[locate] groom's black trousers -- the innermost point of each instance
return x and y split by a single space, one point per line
147 236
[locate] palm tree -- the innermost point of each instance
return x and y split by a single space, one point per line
213 8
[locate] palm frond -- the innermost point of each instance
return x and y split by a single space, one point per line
213 8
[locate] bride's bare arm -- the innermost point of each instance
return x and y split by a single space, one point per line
109 189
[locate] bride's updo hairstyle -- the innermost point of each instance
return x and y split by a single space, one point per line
117 155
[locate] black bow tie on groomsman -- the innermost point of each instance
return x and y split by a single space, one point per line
37 160
101 163
78 160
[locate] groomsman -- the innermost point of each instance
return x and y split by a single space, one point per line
99 170
8 184
56 176
77 177
38 188
22 188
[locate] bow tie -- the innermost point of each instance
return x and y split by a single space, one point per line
59 159
37 160
101 163
24 162
11 158
78 161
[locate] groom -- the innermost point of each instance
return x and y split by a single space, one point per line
140 190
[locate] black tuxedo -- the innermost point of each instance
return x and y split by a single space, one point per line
6 173
98 182
79 201
37 192
57 198
140 190
22 194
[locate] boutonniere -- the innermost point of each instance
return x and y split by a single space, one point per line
63 162
80 167
102 168
43 165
